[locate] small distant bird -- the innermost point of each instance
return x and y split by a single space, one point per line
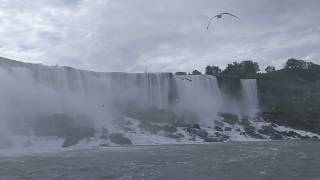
185 78
218 16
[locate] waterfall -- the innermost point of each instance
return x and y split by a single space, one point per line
28 90
200 94
250 96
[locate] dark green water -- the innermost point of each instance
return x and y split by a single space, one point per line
251 160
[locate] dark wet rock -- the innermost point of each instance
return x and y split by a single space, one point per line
278 117
218 123
315 137
251 131
238 129
231 119
217 128
198 132
227 129
273 125
196 126
271 132
291 134
245 122
72 128
221 137
306 137
175 135
70 141
217 134
120 139
243 134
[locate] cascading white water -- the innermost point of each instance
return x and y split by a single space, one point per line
28 90
250 96
200 94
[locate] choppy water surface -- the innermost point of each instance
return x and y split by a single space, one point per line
251 160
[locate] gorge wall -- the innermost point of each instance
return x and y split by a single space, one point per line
291 97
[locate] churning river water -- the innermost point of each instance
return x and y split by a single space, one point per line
241 160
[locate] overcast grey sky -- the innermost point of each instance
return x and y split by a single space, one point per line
158 35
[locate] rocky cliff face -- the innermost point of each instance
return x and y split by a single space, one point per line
291 98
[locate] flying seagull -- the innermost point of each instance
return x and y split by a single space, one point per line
185 78
218 16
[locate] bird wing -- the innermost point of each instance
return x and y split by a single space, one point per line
231 15
210 21
188 79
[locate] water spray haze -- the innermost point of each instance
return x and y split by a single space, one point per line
34 98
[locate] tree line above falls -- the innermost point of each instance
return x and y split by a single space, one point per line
249 69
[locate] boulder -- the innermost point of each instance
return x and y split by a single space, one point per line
197 132
231 119
291 134
221 137
227 129
219 123
104 145
120 139
175 135
196 126
70 141
271 132
217 128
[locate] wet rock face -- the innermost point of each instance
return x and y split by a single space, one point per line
71 128
290 100
228 118
219 123
217 128
271 132
221 137
197 131
120 139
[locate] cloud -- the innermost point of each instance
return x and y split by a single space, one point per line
147 35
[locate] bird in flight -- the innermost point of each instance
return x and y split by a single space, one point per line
185 78
218 16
